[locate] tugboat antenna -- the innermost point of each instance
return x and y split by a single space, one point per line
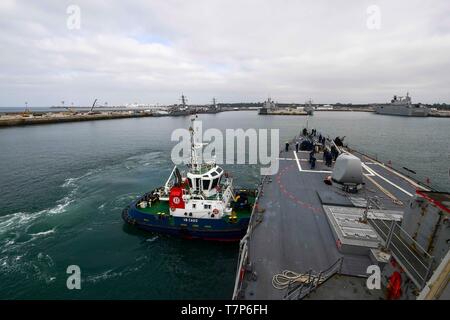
194 160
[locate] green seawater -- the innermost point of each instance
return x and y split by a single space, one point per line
63 187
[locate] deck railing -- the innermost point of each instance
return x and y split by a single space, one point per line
243 245
409 254
418 178
299 290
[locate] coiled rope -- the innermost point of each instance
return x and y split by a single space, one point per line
282 280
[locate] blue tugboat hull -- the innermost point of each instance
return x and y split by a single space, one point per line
185 227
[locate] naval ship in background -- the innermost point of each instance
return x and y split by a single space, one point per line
402 106
320 228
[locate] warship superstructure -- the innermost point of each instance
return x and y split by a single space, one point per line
267 107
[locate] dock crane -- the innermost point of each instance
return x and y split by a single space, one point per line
92 108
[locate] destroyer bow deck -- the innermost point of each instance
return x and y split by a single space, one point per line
318 231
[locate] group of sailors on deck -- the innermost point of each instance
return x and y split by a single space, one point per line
330 153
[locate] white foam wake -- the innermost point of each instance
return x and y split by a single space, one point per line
43 233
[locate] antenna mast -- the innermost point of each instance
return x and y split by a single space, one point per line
183 100
194 157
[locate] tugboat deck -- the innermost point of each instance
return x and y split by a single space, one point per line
163 207
294 233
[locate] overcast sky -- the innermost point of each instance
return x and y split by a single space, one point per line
152 51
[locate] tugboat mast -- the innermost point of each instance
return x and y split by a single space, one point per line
194 146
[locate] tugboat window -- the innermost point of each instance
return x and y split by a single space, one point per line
214 183
190 182
197 184
206 184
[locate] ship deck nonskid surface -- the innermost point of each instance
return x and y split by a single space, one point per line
294 233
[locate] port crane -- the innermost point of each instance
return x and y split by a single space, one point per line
92 108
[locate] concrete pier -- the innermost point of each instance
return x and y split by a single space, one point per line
9 120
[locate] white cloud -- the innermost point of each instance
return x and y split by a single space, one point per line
151 51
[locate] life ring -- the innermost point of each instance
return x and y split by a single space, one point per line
176 200
216 211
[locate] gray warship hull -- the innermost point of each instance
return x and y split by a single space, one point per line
402 111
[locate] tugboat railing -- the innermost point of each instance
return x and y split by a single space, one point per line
168 185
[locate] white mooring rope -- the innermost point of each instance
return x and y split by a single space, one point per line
282 280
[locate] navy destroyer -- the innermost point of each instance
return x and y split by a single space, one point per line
402 106
331 218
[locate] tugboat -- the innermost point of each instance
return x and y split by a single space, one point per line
201 205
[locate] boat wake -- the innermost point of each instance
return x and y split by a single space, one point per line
43 233
152 239
109 274
16 221
72 182
15 238
24 234
143 160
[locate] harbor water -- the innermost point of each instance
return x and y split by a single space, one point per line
63 187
